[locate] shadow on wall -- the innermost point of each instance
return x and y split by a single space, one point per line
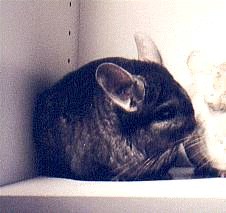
18 99
40 83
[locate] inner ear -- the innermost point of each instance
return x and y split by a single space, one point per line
124 89
112 77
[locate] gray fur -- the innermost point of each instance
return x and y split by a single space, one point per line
81 131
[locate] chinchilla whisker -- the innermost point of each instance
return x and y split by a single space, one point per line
194 142
194 138
151 163
123 170
123 167
196 153
205 162
183 139
131 166
144 166
189 139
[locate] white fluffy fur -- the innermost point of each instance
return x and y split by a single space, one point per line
209 100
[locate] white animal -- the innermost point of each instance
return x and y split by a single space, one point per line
208 149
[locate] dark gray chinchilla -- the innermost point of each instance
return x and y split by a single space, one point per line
113 119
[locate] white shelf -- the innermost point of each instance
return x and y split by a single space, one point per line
44 194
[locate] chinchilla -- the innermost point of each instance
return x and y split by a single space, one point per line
113 119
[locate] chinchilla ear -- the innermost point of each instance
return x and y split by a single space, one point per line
196 62
146 48
125 90
202 62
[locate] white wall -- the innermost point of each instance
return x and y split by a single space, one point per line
35 47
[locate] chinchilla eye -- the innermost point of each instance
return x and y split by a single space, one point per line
166 113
